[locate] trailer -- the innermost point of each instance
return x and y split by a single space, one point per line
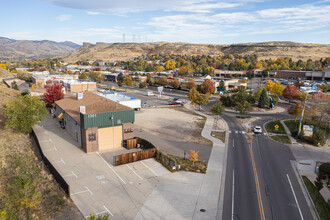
122 99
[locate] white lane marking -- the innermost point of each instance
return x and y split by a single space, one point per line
236 132
50 140
107 210
232 196
149 169
80 192
265 133
62 160
43 141
89 190
295 198
110 167
229 132
233 142
243 132
55 148
134 172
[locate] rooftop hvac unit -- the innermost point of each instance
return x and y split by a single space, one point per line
80 95
82 109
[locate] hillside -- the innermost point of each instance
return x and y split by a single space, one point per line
42 197
21 49
126 51
5 73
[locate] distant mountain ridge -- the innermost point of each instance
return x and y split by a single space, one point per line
21 49
264 50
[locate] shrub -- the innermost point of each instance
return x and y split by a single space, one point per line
226 100
319 137
325 168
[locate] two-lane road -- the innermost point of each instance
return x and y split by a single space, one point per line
260 181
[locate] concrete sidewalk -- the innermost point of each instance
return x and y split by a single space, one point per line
210 190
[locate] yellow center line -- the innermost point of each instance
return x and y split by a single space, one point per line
261 208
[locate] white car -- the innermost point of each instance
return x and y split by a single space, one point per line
257 130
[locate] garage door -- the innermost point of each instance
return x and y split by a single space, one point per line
105 136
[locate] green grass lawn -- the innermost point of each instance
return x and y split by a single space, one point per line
270 127
321 206
293 126
281 138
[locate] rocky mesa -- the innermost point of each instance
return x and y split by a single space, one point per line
266 50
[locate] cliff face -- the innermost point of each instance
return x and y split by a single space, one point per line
126 51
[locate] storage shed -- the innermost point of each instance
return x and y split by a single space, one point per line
95 122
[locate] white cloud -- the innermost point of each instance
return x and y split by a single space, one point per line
93 13
63 18
129 6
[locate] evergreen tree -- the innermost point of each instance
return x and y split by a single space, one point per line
222 86
263 100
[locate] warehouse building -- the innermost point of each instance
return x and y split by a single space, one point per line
96 123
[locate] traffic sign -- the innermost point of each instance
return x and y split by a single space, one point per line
276 127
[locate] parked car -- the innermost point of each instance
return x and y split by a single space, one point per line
145 105
176 103
257 130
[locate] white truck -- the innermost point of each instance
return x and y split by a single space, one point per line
122 99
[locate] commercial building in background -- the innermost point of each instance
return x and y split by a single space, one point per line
96 123
309 75
43 80
75 86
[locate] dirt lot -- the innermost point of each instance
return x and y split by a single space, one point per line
175 130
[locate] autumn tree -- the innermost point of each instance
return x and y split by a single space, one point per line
208 86
163 81
191 84
175 83
192 95
128 81
202 99
193 156
96 76
275 88
170 64
158 68
24 112
295 109
291 92
143 84
83 75
2 66
53 93
243 107
218 108
323 87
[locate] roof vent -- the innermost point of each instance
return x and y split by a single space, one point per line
79 95
82 109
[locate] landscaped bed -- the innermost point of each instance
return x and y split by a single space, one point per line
171 163
321 206
281 138
221 135
315 140
271 127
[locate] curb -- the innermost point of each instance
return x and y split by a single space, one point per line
304 189
223 178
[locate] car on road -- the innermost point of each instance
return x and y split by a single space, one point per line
257 130
176 103
149 93
178 100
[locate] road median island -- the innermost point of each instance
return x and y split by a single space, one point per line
275 127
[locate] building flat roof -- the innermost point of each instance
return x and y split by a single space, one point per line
115 96
93 103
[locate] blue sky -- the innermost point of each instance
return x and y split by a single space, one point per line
194 21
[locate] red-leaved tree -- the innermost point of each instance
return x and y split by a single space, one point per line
291 92
54 92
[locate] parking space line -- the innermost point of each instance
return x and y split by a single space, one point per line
72 194
110 167
50 140
60 161
134 172
149 168
89 190
107 210
72 174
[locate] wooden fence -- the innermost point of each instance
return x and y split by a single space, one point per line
148 151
